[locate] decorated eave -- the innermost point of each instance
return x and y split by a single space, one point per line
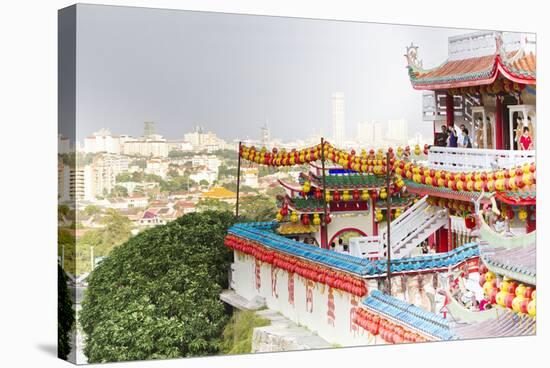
411 318
506 324
527 198
347 181
261 239
516 263
512 69
442 192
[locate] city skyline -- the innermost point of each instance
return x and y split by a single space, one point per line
286 76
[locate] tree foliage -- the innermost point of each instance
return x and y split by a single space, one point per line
237 334
65 315
157 295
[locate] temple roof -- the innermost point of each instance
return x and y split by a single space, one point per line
506 324
350 181
263 233
517 263
517 66
518 198
413 317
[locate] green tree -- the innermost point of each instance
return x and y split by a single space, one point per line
119 191
124 177
205 204
258 208
203 182
141 163
237 334
65 315
157 295
91 210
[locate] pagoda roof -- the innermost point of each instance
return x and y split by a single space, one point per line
516 66
411 316
506 324
219 193
349 181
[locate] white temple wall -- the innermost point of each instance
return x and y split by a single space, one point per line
311 312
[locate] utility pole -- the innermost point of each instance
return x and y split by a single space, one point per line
238 181
388 220
324 222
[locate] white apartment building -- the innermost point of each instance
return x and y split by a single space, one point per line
63 182
80 183
338 119
208 175
201 140
157 166
250 176
102 141
211 162
154 146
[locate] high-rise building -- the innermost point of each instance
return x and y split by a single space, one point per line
265 136
338 119
365 132
148 129
398 130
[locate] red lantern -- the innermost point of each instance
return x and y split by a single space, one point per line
470 221
356 194
305 219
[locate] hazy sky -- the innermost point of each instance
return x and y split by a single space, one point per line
229 72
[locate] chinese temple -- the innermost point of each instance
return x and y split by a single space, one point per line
409 244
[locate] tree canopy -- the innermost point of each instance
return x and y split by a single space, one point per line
157 295
65 315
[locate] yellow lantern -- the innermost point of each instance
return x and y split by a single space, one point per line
294 217
279 217
398 212
327 197
534 295
516 303
383 194
520 290
522 214
489 276
316 219
500 298
345 196
487 287
378 215
365 195
532 308
417 150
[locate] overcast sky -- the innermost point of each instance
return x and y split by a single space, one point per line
229 73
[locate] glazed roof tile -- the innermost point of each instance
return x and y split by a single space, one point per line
409 315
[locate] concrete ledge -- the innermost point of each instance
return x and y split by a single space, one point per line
232 298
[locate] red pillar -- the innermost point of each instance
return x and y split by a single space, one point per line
499 142
442 241
324 236
449 109
531 224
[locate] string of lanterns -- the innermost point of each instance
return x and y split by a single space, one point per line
388 331
308 270
508 293
374 162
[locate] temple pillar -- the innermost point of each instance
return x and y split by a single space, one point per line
324 235
499 142
373 217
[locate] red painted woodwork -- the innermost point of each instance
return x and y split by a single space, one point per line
499 142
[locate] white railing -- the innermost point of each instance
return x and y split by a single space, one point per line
412 224
476 159
366 247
